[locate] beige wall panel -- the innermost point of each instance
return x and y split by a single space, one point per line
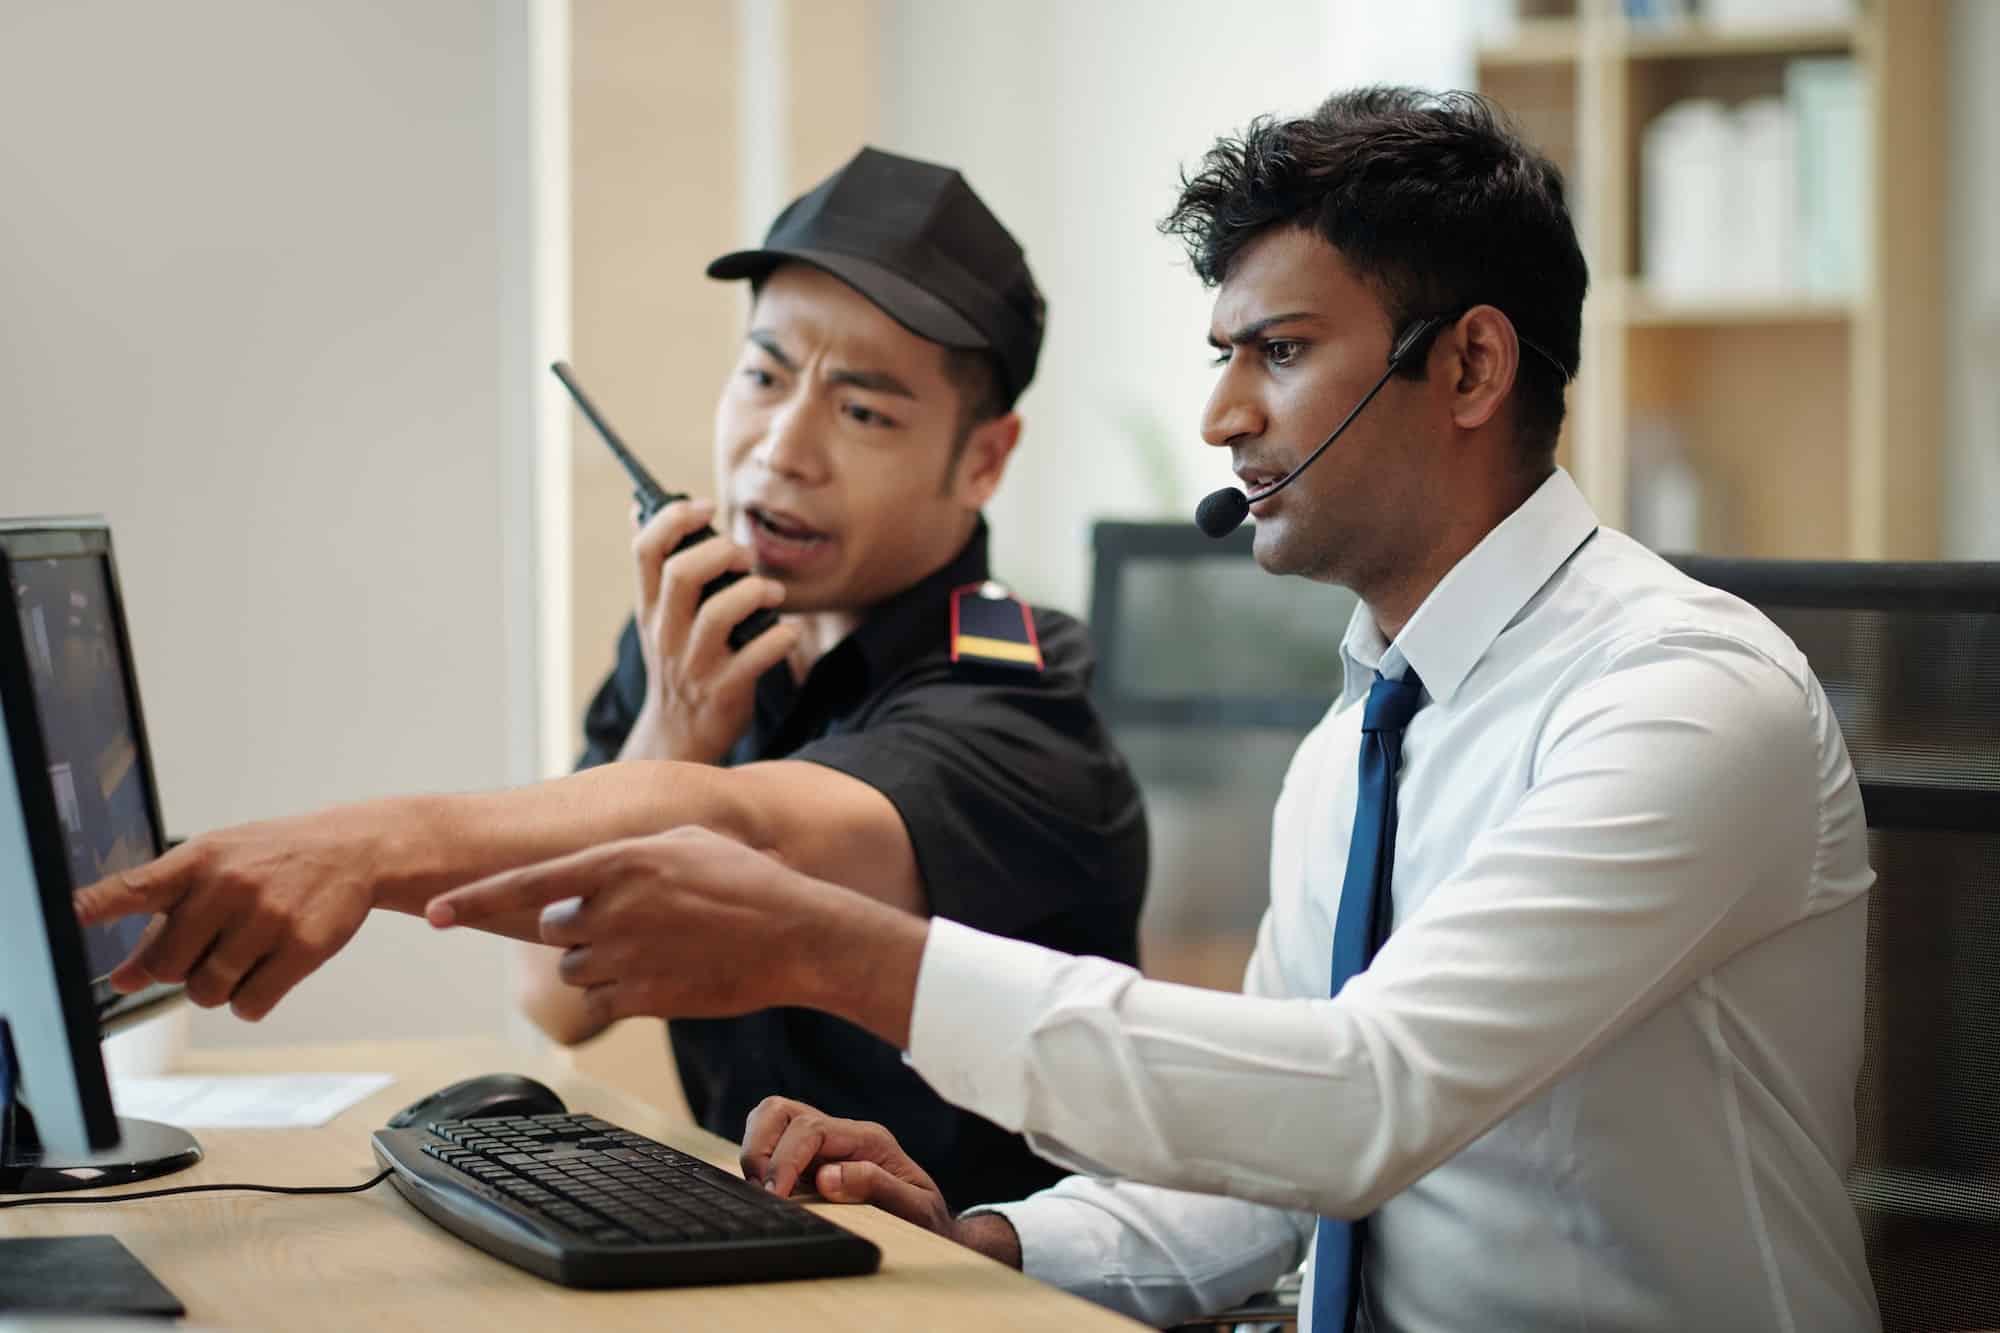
653 198
832 51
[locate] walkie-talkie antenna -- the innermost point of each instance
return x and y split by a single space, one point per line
652 497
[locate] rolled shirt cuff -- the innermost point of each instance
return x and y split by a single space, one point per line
979 997
1058 1242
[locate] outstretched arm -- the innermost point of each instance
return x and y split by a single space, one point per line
689 924
247 913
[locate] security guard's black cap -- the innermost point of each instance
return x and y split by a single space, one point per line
913 238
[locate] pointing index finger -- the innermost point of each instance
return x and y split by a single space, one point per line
153 887
526 888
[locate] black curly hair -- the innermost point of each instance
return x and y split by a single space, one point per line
1434 198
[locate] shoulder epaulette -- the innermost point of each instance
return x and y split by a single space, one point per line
992 627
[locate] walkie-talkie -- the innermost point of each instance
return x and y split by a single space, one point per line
652 498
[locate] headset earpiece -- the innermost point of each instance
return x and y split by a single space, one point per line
1414 337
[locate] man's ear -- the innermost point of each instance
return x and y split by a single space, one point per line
1483 356
983 459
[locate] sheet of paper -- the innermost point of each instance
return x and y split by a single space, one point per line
242 1101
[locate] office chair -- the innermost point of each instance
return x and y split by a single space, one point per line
1909 656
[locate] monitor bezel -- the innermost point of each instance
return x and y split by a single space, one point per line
85 537
74 986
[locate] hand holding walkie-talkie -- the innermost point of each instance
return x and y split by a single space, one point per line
652 498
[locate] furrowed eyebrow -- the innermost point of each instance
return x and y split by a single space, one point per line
875 381
1254 332
769 342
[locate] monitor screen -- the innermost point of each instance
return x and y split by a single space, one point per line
69 628
77 802
69 660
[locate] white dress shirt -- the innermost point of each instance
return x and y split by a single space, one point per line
1601 1076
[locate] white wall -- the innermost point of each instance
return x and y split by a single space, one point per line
258 306
1971 509
1072 120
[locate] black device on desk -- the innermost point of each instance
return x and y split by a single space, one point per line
653 497
499 1162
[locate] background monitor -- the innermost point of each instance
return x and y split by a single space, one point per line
77 802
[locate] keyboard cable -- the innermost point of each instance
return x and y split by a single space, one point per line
200 1189
7 1085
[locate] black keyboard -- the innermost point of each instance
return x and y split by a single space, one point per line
587 1204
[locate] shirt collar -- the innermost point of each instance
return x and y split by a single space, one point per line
896 631
1478 599
915 620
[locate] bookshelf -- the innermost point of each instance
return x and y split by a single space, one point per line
1810 422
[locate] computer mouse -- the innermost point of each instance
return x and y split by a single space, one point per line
474 1098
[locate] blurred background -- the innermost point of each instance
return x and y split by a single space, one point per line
279 282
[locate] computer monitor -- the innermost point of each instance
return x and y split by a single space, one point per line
77 802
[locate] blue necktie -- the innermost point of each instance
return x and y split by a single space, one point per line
1365 916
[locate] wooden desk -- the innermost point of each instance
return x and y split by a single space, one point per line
371 1261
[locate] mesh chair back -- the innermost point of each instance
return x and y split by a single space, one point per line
1909 655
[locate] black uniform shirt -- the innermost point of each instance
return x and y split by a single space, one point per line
1024 819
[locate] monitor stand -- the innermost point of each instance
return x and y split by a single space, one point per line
145 1149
